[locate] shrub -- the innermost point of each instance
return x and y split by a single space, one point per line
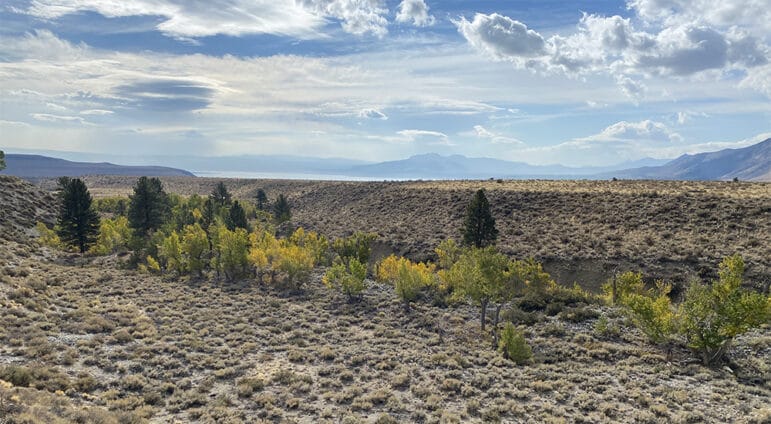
195 246
514 346
482 276
347 278
356 246
653 313
170 252
448 253
47 237
408 278
153 265
114 234
318 245
712 315
621 286
231 249
294 261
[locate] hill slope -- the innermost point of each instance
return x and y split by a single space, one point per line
21 206
36 166
752 163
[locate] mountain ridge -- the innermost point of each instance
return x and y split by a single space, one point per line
751 163
39 166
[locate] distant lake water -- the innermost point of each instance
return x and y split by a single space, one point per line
284 176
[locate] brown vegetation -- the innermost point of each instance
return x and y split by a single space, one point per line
82 339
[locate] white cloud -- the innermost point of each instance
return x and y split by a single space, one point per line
372 114
684 116
484 133
614 46
415 11
201 18
645 131
100 112
754 15
502 37
619 142
412 135
45 117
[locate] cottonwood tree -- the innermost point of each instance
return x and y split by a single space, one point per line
195 247
149 207
479 226
483 276
78 220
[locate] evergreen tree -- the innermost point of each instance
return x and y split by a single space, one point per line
149 208
262 199
78 220
2 160
281 210
479 226
220 195
237 217
207 214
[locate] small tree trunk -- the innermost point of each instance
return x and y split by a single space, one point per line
495 324
484 313
614 297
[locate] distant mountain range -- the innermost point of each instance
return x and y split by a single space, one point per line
751 163
435 166
36 166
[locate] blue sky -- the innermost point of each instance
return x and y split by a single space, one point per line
576 83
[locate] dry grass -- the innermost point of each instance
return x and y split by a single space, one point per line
133 347
91 342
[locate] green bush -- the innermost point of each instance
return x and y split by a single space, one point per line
355 246
514 346
619 287
712 315
347 278
653 313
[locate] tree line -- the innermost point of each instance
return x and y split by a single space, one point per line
237 240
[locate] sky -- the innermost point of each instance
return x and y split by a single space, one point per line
578 83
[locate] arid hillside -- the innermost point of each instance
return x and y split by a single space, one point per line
82 339
21 206
582 231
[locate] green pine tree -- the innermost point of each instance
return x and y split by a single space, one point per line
78 220
281 209
149 208
2 160
262 199
237 217
479 226
220 196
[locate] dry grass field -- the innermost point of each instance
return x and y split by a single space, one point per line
84 340
583 231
